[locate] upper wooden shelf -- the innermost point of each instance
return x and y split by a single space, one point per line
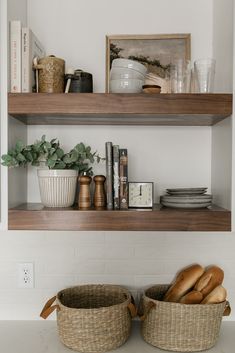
120 109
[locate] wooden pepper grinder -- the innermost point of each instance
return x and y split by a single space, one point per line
84 197
99 194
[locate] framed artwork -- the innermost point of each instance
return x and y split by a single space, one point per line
155 51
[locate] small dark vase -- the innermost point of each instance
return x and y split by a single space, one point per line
81 82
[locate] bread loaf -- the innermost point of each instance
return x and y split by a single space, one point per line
212 278
218 295
184 281
193 297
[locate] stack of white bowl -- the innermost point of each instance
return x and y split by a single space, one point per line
127 76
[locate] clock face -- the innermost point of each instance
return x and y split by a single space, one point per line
140 195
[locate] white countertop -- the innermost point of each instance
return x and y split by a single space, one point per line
41 337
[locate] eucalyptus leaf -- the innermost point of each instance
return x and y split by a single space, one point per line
54 157
50 163
20 157
59 152
79 158
19 146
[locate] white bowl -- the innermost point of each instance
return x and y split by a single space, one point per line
126 86
126 73
130 64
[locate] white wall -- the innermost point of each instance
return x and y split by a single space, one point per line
134 259
76 30
222 44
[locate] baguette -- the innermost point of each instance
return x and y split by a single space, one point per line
193 297
184 281
212 278
218 295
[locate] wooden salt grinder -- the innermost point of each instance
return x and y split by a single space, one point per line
99 194
84 197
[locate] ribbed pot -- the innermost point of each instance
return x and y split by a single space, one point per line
57 187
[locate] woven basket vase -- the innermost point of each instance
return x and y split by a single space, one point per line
92 318
179 327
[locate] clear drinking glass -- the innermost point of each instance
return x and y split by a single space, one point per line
180 76
204 73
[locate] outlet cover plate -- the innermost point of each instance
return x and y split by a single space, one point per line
26 275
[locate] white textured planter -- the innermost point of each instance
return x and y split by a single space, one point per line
57 187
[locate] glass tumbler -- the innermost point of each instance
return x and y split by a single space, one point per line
180 76
204 74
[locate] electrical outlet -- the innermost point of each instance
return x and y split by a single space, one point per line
26 275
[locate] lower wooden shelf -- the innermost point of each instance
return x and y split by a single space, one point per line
37 217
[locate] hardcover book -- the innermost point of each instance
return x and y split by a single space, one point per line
109 174
31 48
116 200
15 56
123 160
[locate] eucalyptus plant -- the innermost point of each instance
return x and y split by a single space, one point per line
52 155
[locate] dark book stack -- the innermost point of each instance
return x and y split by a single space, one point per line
123 194
116 177
116 199
109 174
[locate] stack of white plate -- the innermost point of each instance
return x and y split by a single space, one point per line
186 198
127 76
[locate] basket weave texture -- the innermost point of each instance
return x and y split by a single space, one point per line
179 327
93 318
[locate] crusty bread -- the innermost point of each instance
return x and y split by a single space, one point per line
212 278
184 281
193 297
218 295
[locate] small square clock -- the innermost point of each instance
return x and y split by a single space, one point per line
140 195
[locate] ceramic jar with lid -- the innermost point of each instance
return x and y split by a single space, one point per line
50 74
81 82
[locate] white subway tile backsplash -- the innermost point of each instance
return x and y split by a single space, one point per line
126 281
133 238
144 267
25 253
150 252
90 267
8 281
50 267
55 283
119 252
143 282
135 260
90 252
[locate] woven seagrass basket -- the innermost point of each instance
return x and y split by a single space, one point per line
179 327
92 318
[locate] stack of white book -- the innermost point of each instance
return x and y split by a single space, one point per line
24 47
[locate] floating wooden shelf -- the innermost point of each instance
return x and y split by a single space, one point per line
120 109
37 217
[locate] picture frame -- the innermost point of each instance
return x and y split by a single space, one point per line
156 50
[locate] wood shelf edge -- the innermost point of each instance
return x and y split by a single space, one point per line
34 217
119 109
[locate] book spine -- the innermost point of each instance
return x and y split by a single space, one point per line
15 56
123 160
116 199
31 48
109 175
25 60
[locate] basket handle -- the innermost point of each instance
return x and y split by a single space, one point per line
49 308
150 306
132 308
227 309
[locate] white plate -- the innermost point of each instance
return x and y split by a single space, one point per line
185 205
187 198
